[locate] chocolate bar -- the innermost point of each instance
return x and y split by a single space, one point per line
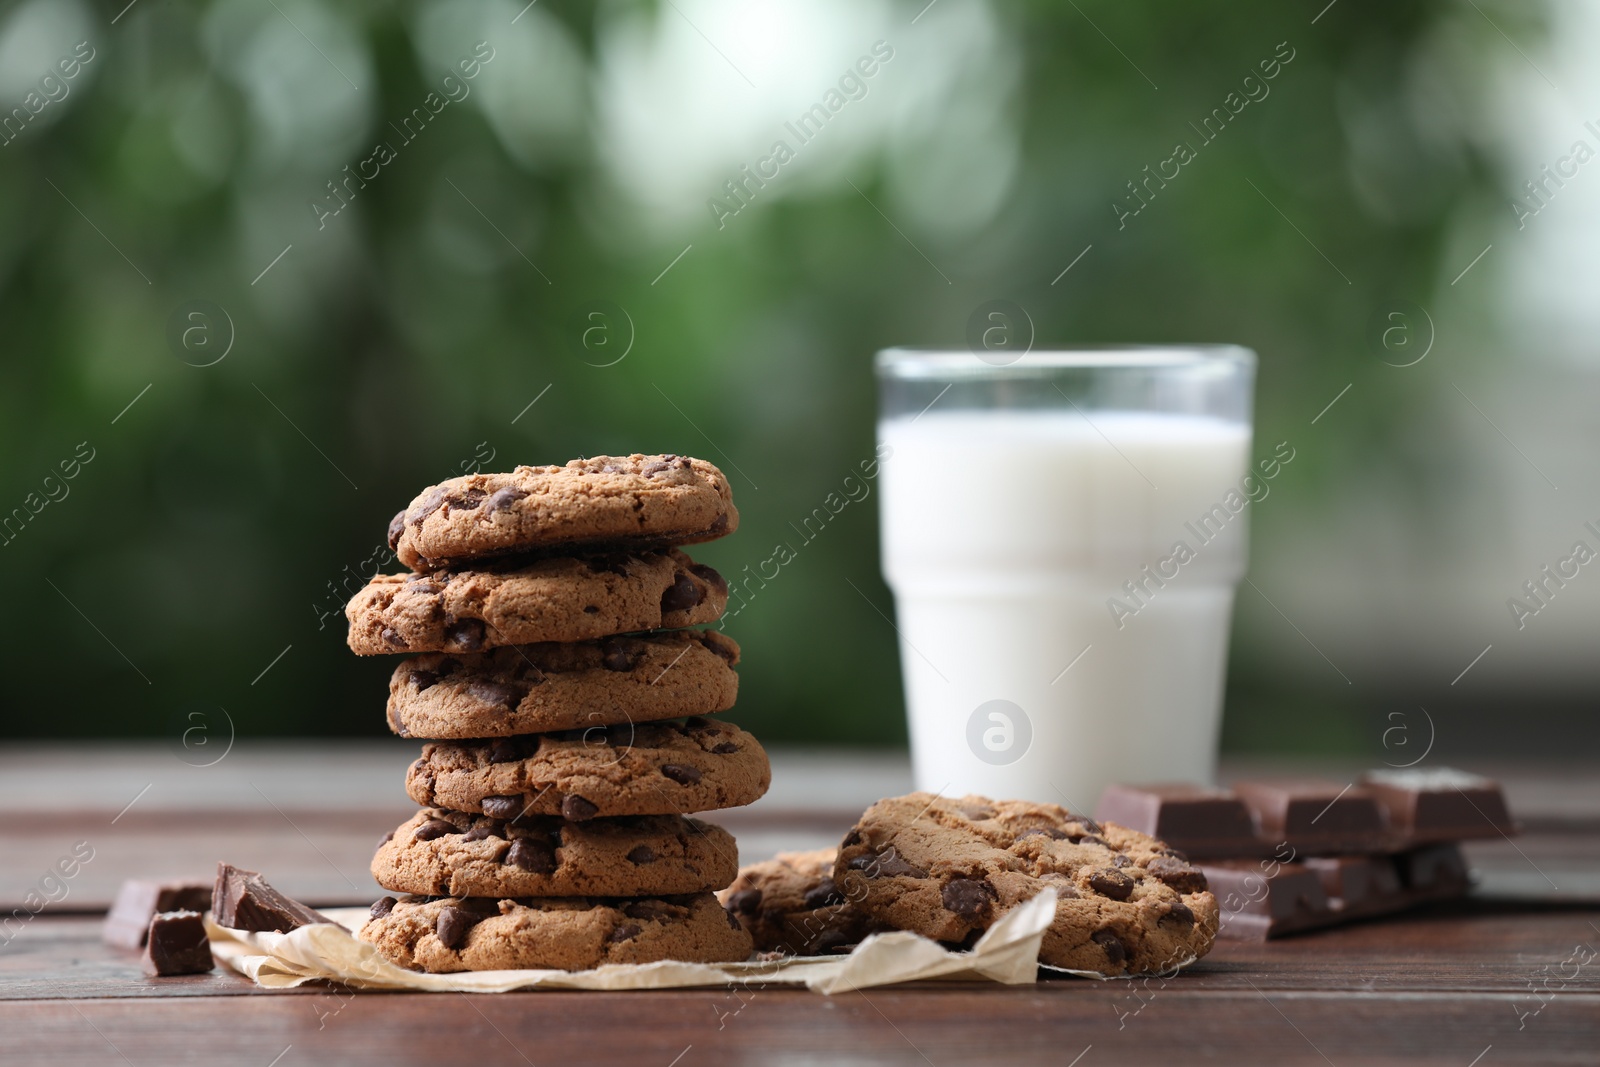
1387 812
242 900
177 944
1268 899
139 900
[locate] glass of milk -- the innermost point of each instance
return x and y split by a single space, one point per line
1063 532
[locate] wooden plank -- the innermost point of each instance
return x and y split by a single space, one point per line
1060 1023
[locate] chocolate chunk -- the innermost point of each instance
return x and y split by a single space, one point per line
1179 912
1119 861
1176 873
641 854
1113 884
725 748
886 864
506 807
495 694
718 524
745 901
384 841
177 944
1116 951
621 653
467 635
1043 831
434 828
1313 811
242 900
1440 804
423 680
502 499
532 855
470 500
732 922
590 609
681 773
576 809
382 906
482 832
655 468
397 526
1208 822
970 898
453 926
851 838
623 932
823 894
140 900
422 585
710 576
392 636
683 594
831 941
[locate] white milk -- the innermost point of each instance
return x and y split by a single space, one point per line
1005 533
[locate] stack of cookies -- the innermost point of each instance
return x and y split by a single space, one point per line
564 706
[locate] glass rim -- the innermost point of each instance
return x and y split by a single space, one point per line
919 363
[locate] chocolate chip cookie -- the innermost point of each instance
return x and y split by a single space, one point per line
455 854
606 500
948 869
524 689
447 934
646 769
791 905
565 599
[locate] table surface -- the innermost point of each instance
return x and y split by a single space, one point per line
1510 975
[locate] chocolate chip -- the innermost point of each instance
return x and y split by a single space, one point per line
732 922
680 773
429 505
683 594
1119 861
1043 831
970 898
507 807
466 635
718 524
1116 951
745 901
590 609
576 809
434 828
1176 873
650 909
422 585
886 864
478 833
470 500
495 694
621 653
642 854
533 855
453 926
397 526
1113 884
1179 912
823 894
392 636
423 680
655 468
851 838
502 498
710 576
383 906
725 748
623 932
507 750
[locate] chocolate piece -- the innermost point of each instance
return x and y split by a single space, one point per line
1440 804
1202 822
1357 881
1267 899
452 927
681 595
503 807
1111 883
1314 814
177 944
532 855
242 900
578 809
642 854
970 898
1116 951
434 828
745 901
139 900
681 773
382 906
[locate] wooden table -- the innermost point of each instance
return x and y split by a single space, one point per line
1512 975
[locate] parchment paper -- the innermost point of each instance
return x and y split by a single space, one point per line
1007 953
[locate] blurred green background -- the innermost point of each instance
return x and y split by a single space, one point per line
188 168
